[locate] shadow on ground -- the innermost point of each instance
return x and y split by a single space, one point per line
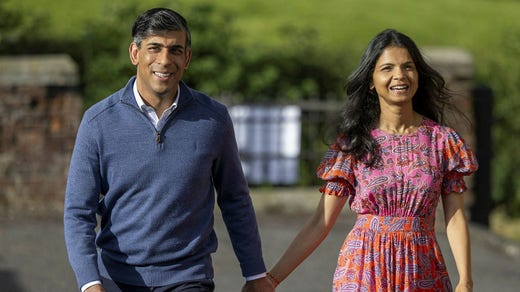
10 282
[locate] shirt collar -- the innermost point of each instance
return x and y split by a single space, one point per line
143 106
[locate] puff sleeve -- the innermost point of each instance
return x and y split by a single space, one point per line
459 161
336 169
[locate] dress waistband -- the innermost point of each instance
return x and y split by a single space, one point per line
382 224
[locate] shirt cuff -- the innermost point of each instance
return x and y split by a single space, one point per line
254 277
89 284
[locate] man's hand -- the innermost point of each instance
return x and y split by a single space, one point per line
95 288
258 285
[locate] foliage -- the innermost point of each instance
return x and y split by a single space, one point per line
295 71
106 63
503 74
26 34
220 65
214 68
13 27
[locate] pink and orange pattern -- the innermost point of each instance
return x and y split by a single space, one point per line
392 246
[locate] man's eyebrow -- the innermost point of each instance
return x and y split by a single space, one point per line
162 45
154 45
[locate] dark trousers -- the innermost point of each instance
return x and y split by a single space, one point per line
191 286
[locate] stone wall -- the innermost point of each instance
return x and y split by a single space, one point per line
458 69
40 110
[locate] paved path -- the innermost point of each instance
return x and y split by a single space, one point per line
33 258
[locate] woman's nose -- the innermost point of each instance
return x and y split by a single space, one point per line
398 73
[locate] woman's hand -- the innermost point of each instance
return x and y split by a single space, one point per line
464 287
259 285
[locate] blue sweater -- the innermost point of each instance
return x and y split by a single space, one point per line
154 192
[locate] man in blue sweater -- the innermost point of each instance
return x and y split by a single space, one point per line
147 160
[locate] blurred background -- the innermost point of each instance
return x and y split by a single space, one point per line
280 66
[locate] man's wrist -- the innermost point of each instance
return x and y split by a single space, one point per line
255 277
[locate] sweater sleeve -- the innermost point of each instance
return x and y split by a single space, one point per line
81 198
235 203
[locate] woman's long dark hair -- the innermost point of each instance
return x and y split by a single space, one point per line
362 110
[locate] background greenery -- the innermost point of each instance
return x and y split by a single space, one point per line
283 51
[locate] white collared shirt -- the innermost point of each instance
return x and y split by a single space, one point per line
158 122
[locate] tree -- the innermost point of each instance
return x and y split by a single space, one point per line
22 33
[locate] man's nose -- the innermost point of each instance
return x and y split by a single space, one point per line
163 57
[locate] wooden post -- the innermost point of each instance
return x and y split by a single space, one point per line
483 105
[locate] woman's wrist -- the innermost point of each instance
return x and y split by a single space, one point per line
275 281
468 283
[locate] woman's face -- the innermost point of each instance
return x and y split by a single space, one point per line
395 77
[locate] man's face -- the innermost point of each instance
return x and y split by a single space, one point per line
161 61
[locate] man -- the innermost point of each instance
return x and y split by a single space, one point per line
147 160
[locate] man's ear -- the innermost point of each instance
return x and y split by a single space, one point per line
133 51
188 58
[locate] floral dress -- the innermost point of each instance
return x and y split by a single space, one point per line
392 246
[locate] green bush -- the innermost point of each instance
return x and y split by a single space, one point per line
503 75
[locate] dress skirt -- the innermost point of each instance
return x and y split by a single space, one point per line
391 254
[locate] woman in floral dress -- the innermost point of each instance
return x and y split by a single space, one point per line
393 161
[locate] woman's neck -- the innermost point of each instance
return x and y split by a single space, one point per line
399 121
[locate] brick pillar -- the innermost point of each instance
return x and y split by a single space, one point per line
40 109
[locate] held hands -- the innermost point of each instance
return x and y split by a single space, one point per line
259 285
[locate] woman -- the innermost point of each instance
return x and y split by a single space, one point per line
393 160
